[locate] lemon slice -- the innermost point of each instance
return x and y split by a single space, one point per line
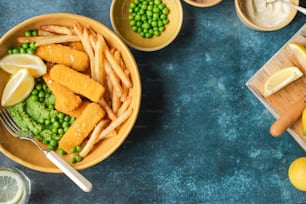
304 122
281 79
297 173
13 63
17 88
299 52
11 187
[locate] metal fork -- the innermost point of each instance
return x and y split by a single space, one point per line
73 174
299 8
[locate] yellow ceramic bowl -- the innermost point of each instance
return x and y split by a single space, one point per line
262 24
27 154
203 3
120 22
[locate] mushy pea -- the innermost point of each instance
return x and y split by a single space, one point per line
37 115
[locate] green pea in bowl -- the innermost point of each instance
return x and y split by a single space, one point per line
139 22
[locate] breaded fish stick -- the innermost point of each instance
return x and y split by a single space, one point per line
82 126
78 82
74 113
61 54
65 99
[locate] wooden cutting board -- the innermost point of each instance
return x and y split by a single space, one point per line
278 102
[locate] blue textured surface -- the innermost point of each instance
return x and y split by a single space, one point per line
201 136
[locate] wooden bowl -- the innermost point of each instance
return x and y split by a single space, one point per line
120 22
261 25
203 3
26 153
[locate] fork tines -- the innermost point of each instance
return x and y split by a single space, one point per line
8 121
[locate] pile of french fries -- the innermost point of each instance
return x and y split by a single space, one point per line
106 67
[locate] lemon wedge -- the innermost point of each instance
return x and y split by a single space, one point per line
17 88
281 79
13 63
299 52
11 187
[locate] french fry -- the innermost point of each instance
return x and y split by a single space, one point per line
117 69
63 30
99 60
93 137
114 124
125 105
111 134
44 33
44 40
109 86
125 91
116 103
88 49
107 109
113 78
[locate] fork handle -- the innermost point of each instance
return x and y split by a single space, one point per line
73 174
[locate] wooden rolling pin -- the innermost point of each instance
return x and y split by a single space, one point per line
287 119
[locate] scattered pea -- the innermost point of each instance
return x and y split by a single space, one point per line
78 158
73 160
78 148
73 150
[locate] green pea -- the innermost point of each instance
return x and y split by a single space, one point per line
165 21
34 33
45 141
165 11
61 151
73 150
34 98
31 51
60 131
15 51
54 130
132 5
56 124
32 45
47 122
61 116
132 23
134 28
67 118
22 50
34 92
41 94
38 86
78 148
78 158
51 147
148 35
73 160
10 51
146 25
25 45
53 142
28 33
65 124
